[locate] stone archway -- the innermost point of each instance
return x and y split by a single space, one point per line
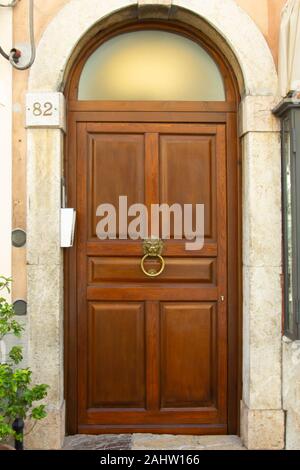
249 55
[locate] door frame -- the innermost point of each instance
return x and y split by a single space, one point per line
196 112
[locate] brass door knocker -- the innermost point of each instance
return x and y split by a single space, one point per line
153 249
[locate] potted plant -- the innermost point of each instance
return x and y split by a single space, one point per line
18 396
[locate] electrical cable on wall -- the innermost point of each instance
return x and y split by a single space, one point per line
15 54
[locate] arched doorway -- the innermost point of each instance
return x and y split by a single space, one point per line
159 354
250 57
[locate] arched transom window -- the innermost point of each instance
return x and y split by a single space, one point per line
151 65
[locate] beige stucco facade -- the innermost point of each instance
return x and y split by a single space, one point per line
270 408
6 31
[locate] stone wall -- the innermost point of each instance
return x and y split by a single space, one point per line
261 411
291 392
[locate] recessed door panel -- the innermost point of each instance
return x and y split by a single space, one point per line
116 168
116 355
188 175
128 269
188 355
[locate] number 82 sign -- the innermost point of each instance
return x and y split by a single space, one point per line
45 110
42 110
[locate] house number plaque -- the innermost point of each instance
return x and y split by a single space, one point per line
45 110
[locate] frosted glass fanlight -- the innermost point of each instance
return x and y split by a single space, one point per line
151 65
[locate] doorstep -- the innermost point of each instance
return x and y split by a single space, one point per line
151 442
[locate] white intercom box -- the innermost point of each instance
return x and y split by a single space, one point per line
67 227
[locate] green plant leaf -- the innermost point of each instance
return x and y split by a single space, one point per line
5 283
16 355
39 412
17 394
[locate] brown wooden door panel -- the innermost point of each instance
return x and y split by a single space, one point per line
153 291
152 353
208 416
188 175
158 128
186 349
116 333
124 269
188 355
116 168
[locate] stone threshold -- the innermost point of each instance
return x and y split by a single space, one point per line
151 442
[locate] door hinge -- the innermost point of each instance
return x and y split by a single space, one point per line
294 139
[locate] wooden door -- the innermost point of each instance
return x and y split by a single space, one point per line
151 354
